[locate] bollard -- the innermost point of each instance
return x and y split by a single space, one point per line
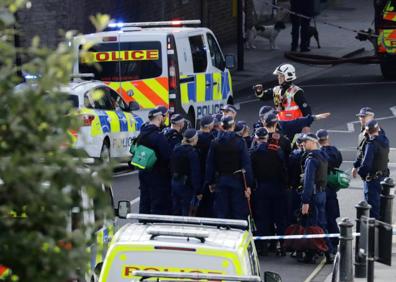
386 200
346 267
371 250
362 209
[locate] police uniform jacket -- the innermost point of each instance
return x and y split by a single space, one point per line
334 156
376 157
204 140
362 142
227 153
315 174
173 136
295 167
268 164
155 140
185 163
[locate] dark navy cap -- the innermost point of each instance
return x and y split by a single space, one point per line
365 111
206 121
217 118
372 124
240 126
261 133
322 134
310 137
190 133
227 121
264 110
159 110
299 138
176 118
229 108
270 118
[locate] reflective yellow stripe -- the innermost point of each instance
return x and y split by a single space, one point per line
230 82
217 95
131 122
158 88
201 87
114 121
184 91
139 97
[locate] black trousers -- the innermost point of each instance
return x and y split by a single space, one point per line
297 24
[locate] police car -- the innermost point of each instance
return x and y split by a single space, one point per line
180 245
160 63
108 124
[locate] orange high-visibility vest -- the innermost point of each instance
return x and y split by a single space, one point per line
285 105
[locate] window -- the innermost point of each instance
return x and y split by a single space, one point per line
116 100
73 99
215 53
198 52
124 61
98 99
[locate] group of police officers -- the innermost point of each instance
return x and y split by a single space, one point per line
277 174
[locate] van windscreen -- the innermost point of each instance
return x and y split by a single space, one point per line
122 61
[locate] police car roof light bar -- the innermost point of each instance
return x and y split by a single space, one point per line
156 231
154 24
194 276
147 218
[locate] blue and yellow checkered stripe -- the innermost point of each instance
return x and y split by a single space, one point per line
110 122
196 88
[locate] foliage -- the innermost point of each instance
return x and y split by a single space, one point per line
41 175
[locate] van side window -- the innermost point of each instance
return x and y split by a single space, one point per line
215 53
198 53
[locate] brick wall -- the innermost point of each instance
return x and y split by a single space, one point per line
46 17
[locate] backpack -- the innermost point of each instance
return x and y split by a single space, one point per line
143 157
338 179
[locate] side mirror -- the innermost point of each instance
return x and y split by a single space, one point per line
272 277
230 61
124 207
133 106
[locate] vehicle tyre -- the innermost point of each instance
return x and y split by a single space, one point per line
388 69
105 152
191 118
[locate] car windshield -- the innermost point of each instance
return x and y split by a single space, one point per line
125 61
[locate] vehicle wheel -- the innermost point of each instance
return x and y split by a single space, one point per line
191 118
105 152
388 70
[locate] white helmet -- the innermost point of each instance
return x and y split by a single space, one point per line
287 70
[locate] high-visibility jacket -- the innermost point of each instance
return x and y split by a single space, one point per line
285 104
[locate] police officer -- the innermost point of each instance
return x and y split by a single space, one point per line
290 127
365 115
227 156
269 170
313 196
288 98
276 138
205 137
242 129
229 110
332 205
154 183
374 167
174 132
186 174
295 171
217 127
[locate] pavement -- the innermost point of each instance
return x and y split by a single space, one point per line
259 63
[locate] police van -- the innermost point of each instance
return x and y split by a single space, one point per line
176 244
108 123
160 63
